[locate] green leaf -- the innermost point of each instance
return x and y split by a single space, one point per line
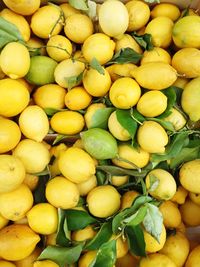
152 1
101 237
92 10
170 93
165 124
39 192
74 80
106 255
144 41
100 118
135 115
63 234
135 238
60 137
78 219
50 111
101 177
79 4
61 255
126 121
94 64
137 217
154 182
125 55
153 221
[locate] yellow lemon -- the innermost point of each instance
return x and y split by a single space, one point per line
45 263
98 46
21 221
50 96
24 7
139 14
47 21
166 10
127 261
186 32
124 99
12 173
152 103
50 240
6 264
128 198
83 234
190 99
28 86
2 74
57 150
176 248
188 209
130 157
34 123
152 137
43 218
193 258
180 195
156 259
3 222
166 187
157 54
112 23
171 214
10 135
31 181
28 261
155 75
67 122
118 180
15 204
62 193
19 21
69 10
181 82
95 83
59 47
87 258
34 161
103 201
17 242
78 27
36 44
77 98
66 69
117 71
160 29
73 157
88 116
85 187
176 118
195 197
125 41
152 245
15 60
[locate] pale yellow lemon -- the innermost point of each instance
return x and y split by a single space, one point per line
157 54
176 118
167 10
188 209
152 245
126 40
171 214
24 7
85 187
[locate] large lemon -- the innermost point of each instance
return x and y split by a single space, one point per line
167 10
157 54
23 7
157 259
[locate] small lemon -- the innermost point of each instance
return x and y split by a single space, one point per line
176 118
6 264
36 46
24 7
126 261
43 218
3 222
188 209
124 99
59 47
117 71
62 193
166 10
125 41
128 198
157 54
152 245
69 10
85 187
45 263
67 122
103 201
171 214
180 195
152 137
166 187
121 246
86 258
73 157
118 180
195 197
139 14
193 258
83 234
31 181
156 259
28 261
95 83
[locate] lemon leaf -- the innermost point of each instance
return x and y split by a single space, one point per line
39 192
165 124
145 41
79 4
50 111
100 118
63 234
125 55
74 80
69 138
137 217
92 10
114 170
154 182
152 1
94 64
171 100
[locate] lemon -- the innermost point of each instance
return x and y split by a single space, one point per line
128 198
125 41
152 137
41 70
157 54
50 96
171 214
15 204
28 261
98 46
19 21
157 259
36 44
6 264
166 188
118 180
66 69
130 157
10 135
126 261
12 173
17 242
45 263
160 29
186 32
59 47
152 245
86 258
77 98
188 209
180 195
21 221
50 240
190 99
67 122
62 193
28 86
31 181
166 10
176 248
69 10
193 258
3 222
139 14
85 187
91 111
176 118
24 7
72 158
34 155
43 218
78 27
83 234
15 60
103 201
47 21
112 23
189 175
2 74
155 75
117 71
124 99
28 126
95 83
152 103
181 82
195 197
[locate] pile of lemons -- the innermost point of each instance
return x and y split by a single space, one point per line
64 73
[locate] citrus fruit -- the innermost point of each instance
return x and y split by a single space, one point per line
69 10
6 264
103 201
45 263
176 118
180 195
117 71
195 197
86 259
171 214
126 40
31 181
128 198
157 259
36 46
24 7
3 222
91 110
118 180
28 261
152 245
85 187
166 10
157 54
188 209
126 261
83 234
181 82
193 258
